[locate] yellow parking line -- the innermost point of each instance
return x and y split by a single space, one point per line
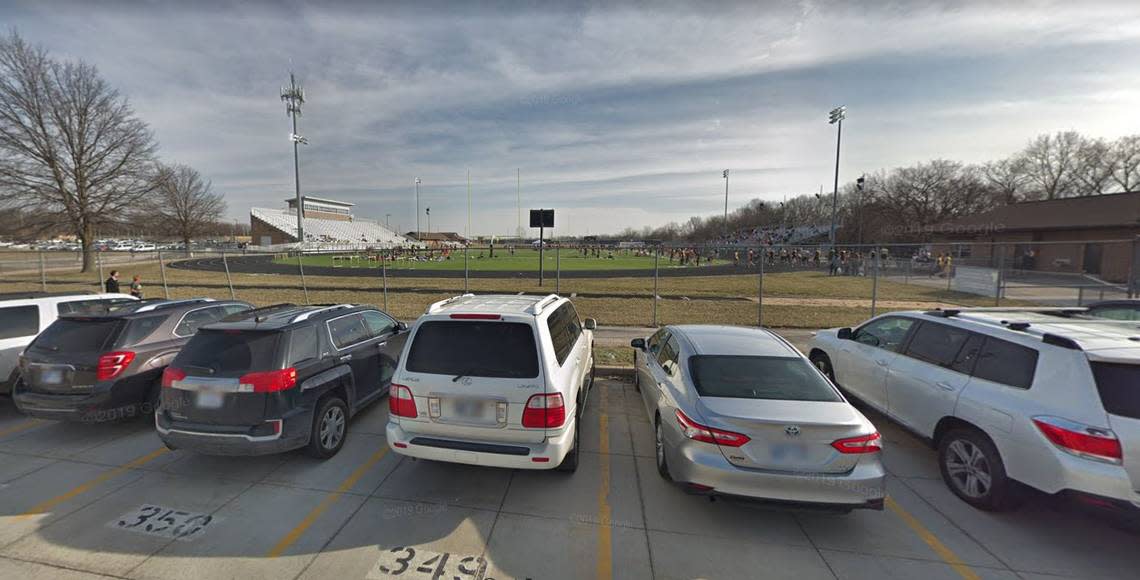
931 540
296 533
605 557
103 477
21 426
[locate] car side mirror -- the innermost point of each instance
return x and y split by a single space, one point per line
846 334
638 343
401 326
589 324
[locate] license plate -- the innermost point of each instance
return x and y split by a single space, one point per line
51 376
470 409
210 400
787 452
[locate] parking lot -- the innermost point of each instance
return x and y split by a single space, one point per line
78 501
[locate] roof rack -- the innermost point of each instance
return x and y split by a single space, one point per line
259 314
305 315
161 304
951 312
437 306
542 303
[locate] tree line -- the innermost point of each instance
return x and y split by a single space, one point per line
904 204
74 157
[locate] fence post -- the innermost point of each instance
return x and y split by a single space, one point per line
229 282
301 268
1134 270
656 262
1080 295
384 273
43 275
760 292
162 272
557 268
1000 274
466 280
875 284
99 265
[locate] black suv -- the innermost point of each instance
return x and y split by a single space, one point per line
108 365
278 378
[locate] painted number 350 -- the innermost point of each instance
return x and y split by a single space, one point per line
409 562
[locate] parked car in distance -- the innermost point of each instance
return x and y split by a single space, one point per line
24 315
278 378
739 412
1038 397
107 366
493 380
1115 309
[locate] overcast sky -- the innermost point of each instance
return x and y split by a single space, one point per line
617 117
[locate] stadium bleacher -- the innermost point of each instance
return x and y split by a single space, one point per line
357 232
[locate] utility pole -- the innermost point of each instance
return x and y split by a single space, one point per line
428 210
417 209
836 116
726 204
294 97
518 193
467 234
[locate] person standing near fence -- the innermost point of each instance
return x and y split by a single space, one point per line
136 287
111 285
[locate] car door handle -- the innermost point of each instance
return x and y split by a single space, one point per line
881 362
381 344
945 386
345 358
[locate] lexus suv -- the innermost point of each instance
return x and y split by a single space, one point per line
107 366
278 378
1048 398
24 315
494 380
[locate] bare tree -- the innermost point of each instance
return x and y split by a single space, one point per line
1051 163
1125 153
1007 177
1094 168
184 203
71 149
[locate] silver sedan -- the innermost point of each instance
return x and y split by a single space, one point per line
740 412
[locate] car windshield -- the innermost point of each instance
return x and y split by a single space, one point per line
759 377
228 352
474 348
78 335
1119 387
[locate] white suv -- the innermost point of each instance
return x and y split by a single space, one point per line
494 380
1049 398
24 315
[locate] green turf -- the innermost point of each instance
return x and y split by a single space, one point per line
522 260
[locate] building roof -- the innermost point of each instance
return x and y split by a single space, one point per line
1097 211
293 200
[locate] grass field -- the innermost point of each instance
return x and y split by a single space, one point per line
522 260
807 299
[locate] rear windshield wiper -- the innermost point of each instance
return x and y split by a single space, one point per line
209 370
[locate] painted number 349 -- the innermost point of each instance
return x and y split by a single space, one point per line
411 563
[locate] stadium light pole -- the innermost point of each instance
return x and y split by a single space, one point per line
467 234
835 117
726 204
294 97
518 193
417 209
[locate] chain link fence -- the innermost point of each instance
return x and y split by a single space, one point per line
634 284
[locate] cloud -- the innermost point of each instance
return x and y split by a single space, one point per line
622 115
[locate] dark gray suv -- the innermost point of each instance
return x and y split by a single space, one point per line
107 366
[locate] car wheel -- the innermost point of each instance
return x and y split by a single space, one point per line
823 363
972 468
659 451
330 425
570 462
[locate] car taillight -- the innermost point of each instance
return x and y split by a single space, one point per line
544 411
268 381
171 375
401 403
1080 439
112 364
861 444
698 432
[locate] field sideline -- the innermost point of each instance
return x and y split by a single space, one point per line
479 259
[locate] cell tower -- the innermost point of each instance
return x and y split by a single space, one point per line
294 97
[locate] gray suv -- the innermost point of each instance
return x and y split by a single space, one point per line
107 366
